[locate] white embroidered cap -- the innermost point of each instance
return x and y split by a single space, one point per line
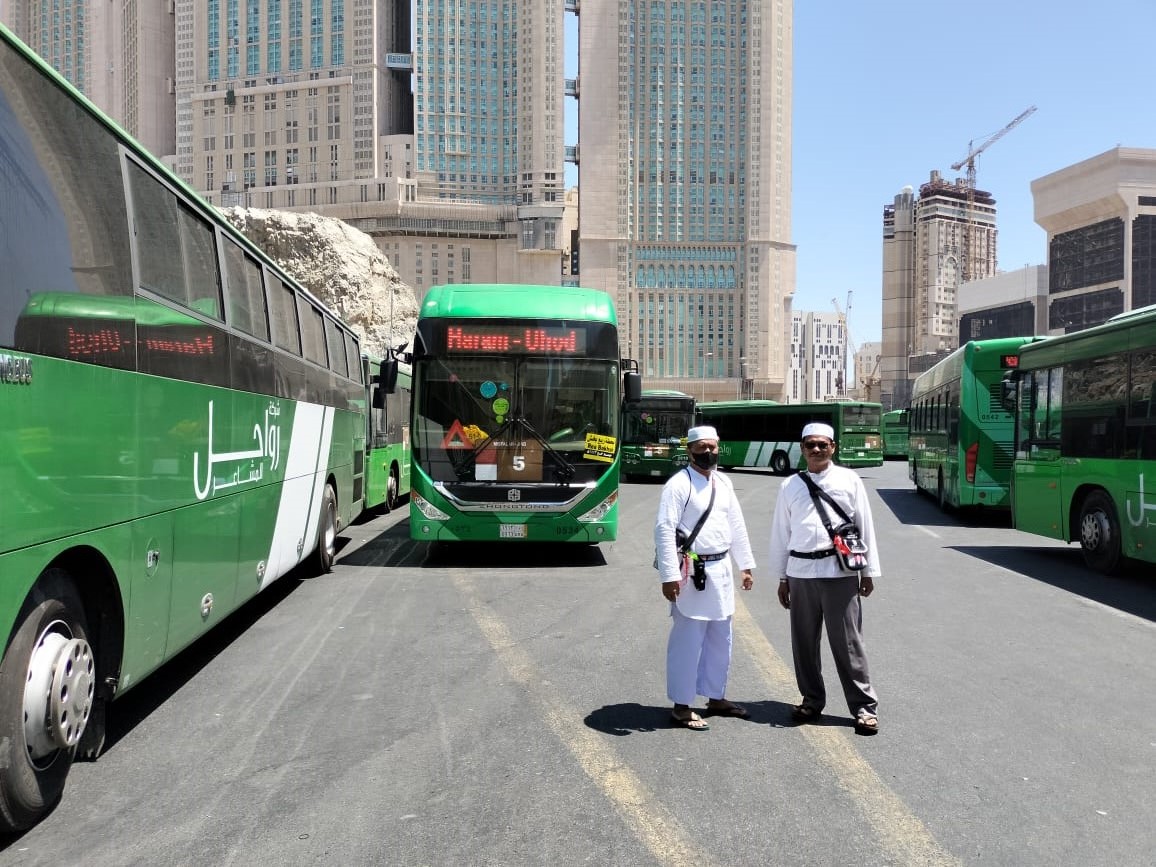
702 432
818 429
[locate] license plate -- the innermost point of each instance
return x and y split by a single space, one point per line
512 531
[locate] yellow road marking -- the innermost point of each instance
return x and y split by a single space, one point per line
895 826
655 826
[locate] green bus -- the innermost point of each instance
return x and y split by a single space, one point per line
387 450
763 433
1085 444
960 439
654 433
895 434
180 425
517 400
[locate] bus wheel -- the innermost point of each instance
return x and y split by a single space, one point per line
1100 533
391 489
326 533
47 692
780 463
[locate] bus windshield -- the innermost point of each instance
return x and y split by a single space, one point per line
555 410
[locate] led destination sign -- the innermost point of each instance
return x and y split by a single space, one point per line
519 339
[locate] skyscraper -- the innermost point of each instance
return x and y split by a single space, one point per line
119 55
444 144
685 184
924 241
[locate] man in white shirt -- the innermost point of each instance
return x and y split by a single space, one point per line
814 586
702 607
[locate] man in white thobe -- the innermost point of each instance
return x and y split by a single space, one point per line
698 653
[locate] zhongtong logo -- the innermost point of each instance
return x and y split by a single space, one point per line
514 495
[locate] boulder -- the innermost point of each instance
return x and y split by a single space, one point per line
341 266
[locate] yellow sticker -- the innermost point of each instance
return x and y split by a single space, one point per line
600 447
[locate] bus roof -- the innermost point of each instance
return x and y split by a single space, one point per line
976 354
739 406
517 301
664 392
1134 329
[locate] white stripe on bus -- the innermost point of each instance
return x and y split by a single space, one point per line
298 499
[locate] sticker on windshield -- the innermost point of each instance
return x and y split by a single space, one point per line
488 389
600 448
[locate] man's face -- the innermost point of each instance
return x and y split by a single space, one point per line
700 449
818 451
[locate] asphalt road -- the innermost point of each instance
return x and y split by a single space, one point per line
504 705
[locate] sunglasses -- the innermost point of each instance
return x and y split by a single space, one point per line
815 446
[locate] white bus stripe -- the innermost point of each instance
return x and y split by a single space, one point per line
293 511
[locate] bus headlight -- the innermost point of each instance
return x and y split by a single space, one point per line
427 508
600 511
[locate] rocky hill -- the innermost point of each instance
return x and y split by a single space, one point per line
341 266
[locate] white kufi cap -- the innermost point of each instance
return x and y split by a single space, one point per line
818 429
702 432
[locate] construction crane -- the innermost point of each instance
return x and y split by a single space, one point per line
969 161
841 377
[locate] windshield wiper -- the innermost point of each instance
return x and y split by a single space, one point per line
563 469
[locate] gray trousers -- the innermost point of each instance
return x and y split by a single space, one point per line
836 603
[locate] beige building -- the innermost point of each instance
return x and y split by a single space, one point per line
445 143
925 241
818 358
685 173
866 362
1100 217
120 55
1009 304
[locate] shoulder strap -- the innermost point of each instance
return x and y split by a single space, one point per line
702 518
817 492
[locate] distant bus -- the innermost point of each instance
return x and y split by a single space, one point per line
960 440
654 433
1085 451
895 434
180 425
387 448
763 433
517 399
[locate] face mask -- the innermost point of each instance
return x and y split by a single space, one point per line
704 460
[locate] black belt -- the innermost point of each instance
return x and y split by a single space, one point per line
813 555
710 558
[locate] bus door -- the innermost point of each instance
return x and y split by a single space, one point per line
1037 492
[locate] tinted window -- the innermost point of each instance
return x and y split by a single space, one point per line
283 310
312 332
336 340
63 227
354 355
246 297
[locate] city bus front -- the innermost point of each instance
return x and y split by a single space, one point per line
515 430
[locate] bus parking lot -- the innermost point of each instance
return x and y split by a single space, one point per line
504 704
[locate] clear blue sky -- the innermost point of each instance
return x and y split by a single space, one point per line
886 92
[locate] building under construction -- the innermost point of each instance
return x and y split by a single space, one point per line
931 244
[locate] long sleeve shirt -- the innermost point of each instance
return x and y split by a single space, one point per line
684 498
797 526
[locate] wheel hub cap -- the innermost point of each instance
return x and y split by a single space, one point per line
58 695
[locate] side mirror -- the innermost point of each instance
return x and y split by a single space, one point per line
632 385
387 378
377 398
1008 389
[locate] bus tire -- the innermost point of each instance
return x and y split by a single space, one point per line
780 463
326 551
47 692
391 489
1100 533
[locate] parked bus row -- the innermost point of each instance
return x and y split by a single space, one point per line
182 423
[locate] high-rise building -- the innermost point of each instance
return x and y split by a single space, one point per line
685 177
445 143
817 356
119 55
924 242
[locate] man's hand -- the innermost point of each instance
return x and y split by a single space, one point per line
748 579
670 590
866 585
785 593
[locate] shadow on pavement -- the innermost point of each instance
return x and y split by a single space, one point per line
1132 590
631 718
910 507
